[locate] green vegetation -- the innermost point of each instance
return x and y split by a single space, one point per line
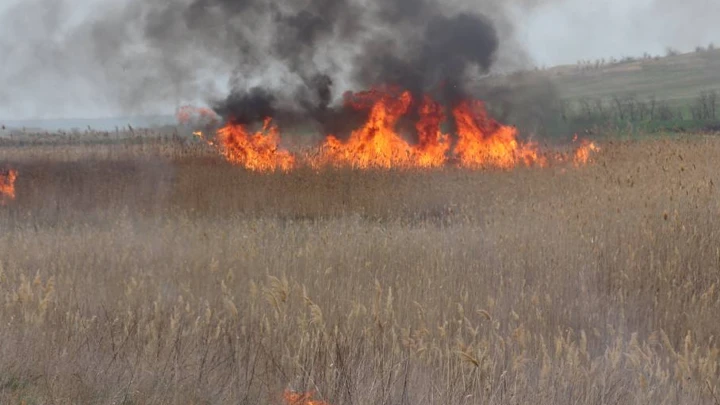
676 79
675 93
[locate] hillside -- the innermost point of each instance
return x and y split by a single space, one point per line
661 94
676 79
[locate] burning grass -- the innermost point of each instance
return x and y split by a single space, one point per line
183 279
480 142
7 186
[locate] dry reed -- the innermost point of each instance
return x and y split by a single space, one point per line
156 273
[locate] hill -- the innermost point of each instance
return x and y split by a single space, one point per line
676 93
677 79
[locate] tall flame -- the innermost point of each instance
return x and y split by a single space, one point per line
296 398
376 144
483 143
258 152
479 142
433 144
7 186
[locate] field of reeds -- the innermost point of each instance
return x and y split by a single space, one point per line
156 273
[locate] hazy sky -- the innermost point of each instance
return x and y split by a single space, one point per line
553 32
565 31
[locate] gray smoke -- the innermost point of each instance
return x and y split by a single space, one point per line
290 59
413 44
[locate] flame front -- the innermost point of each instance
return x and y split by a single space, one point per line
297 398
479 142
376 144
258 152
582 154
7 186
483 143
433 144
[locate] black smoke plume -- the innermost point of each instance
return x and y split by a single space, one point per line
414 44
289 59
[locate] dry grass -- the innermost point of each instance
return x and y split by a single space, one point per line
152 274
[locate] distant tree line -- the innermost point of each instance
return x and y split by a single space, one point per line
705 106
618 109
597 64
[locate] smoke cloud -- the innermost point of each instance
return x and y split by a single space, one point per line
94 57
248 58
414 44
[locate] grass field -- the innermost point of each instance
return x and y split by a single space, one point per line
138 274
635 96
677 79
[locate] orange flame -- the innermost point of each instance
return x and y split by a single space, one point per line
257 152
582 154
7 186
433 144
484 143
480 141
296 398
376 144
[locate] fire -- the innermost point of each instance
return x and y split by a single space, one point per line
433 144
296 398
7 186
257 152
582 154
201 135
483 143
478 142
376 144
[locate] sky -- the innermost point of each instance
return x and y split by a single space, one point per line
565 31
36 84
